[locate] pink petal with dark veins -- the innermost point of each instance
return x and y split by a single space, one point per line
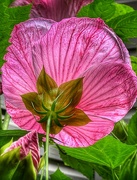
28 143
109 91
83 136
53 9
71 46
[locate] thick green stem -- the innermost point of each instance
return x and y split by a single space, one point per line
6 121
46 148
0 115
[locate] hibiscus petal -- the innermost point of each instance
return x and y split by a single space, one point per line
28 143
73 45
109 91
67 50
24 118
18 75
53 9
84 135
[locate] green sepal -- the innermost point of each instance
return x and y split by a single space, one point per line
120 130
71 91
25 169
41 163
9 163
2 149
32 99
46 84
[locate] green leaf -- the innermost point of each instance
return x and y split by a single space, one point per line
104 9
107 152
121 9
132 130
129 168
85 168
58 175
125 25
8 18
7 135
134 63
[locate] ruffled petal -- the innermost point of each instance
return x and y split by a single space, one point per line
18 74
71 46
83 136
28 143
109 91
53 9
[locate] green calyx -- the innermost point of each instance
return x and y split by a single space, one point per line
56 102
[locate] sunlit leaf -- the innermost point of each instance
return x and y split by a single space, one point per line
132 130
125 25
104 9
129 168
85 168
58 175
107 152
8 18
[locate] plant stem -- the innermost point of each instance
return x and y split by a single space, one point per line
6 121
124 129
46 147
0 115
114 136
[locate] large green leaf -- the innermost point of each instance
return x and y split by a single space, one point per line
107 152
8 18
125 25
85 168
132 130
105 9
58 175
121 9
7 135
120 17
134 63
129 168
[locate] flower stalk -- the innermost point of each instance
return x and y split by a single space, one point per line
5 124
46 146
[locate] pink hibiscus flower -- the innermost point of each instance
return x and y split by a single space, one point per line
53 9
73 49
28 143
